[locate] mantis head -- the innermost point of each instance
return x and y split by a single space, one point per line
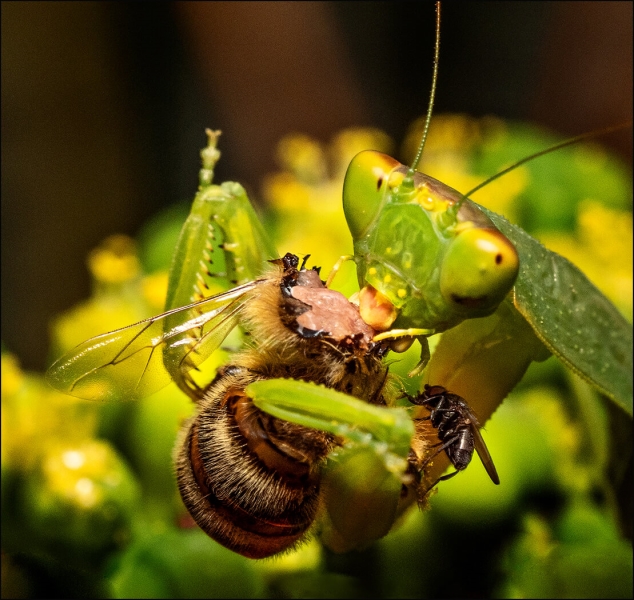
451 258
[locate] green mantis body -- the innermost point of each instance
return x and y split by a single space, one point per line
439 263
585 331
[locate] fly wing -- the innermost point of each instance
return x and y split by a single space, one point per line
483 453
140 359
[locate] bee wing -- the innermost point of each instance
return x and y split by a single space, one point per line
483 453
140 359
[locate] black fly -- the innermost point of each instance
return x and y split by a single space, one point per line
457 430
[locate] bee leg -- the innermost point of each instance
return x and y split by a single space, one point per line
376 397
190 387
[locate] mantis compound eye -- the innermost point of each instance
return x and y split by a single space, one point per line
479 269
364 189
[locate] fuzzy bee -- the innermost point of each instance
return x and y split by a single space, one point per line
250 480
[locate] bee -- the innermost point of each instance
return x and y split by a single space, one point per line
457 429
250 480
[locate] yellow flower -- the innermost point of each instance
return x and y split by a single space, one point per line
601 247
306 195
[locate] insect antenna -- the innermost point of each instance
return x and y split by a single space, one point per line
568 142
432 95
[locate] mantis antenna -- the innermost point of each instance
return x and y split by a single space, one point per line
432 95
568 142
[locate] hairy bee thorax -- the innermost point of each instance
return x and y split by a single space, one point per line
301 329
310 309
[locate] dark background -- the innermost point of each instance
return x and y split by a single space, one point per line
104 105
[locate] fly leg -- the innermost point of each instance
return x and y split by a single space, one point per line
443 445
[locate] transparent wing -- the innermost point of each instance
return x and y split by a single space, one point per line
483 453
140 359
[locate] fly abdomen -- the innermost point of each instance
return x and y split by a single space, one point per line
461 451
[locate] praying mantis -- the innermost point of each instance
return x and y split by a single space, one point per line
429 260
